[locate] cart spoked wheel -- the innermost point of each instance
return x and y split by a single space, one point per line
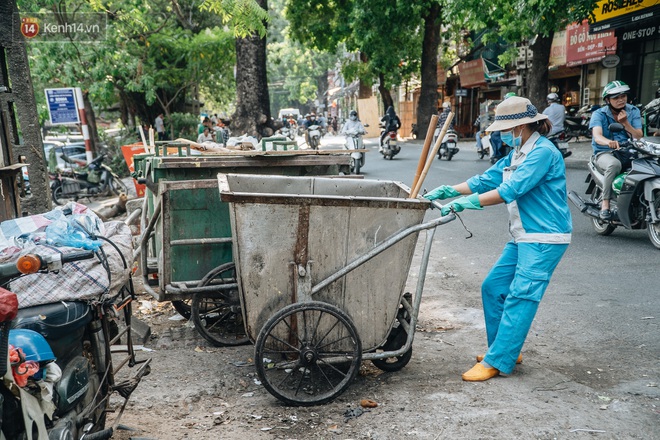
217 315
183 307
308 353
395 340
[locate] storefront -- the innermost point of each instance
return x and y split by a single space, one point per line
637 28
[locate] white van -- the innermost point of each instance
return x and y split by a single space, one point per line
289 111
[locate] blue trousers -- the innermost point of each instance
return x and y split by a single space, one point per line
511 294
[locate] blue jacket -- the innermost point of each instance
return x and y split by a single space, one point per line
532 182
603 117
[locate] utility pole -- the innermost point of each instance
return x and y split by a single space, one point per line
18 108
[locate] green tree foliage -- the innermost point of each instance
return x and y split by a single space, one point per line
158 56
386 32
519 21
296 74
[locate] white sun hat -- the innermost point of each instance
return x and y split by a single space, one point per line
513 112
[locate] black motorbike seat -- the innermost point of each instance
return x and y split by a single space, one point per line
55 320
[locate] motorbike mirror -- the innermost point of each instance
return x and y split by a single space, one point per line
366 125
616 127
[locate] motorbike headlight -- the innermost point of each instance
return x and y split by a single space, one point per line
648 147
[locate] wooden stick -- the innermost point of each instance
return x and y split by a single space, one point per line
436 147
425 149
144 141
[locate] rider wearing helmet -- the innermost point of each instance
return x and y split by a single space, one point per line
389 122
353 125
556 113
509 95
444 113
605 142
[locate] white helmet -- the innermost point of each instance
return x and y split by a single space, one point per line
553 97
446 104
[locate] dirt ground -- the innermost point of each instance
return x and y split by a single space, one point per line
196 391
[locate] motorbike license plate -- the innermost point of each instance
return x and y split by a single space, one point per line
562 145
393 142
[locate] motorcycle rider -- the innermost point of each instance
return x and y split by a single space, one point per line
353 125
605 144
310 119
556 113
444 114
390 122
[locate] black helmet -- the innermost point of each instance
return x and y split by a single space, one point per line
353 113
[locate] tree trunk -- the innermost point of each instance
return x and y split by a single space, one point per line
428 99
19 109
252 114
385 94
364 90
91 124
537 80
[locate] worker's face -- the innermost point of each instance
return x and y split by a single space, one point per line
618 102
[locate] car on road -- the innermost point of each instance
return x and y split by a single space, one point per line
74 151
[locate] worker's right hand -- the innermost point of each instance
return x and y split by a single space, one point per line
442 192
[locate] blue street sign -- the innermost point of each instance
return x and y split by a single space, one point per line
62 106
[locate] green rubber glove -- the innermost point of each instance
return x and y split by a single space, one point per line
469 202
442 192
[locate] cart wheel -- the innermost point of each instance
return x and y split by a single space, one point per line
183 307
308 353
395 340
217 315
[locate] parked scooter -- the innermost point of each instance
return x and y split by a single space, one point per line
636 191
449 145
354 143
559 140
98 181
577 124
314 136
390 146
651 117
56 364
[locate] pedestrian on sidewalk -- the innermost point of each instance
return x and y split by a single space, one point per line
532 183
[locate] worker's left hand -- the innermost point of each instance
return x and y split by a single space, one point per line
458 205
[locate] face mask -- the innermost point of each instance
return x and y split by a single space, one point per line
353 118
511 140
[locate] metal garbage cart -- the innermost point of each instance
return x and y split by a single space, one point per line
185 244
325 290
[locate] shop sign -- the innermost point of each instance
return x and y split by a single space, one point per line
472 73
610 61
462 93
558 49
640 34
585 48
611 14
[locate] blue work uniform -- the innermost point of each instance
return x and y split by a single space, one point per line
532 182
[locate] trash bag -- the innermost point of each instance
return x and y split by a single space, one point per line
76 230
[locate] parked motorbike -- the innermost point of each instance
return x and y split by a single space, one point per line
448 146
314 136
57 369
636 191
353 143
651 117
577 124
390 146
98 181
559 140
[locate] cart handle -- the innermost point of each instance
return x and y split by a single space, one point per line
382 247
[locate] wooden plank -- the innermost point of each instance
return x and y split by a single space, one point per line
368 112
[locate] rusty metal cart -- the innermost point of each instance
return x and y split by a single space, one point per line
186 243
324 289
